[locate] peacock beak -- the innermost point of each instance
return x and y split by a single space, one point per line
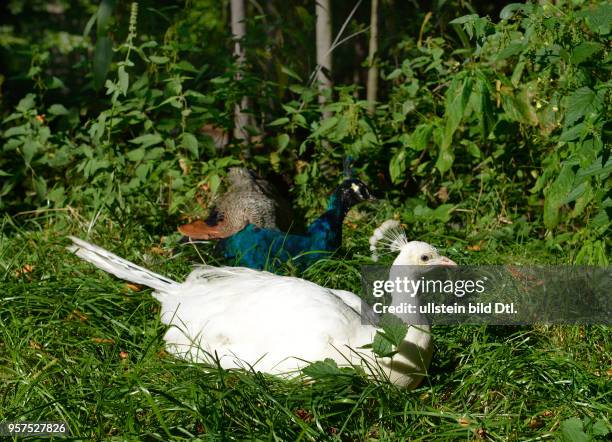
442 261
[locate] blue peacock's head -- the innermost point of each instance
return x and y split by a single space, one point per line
351 192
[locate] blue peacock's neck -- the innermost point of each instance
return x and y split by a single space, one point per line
326 231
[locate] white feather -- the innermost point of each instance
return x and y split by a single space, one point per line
276 324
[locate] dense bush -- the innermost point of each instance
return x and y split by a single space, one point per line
505 120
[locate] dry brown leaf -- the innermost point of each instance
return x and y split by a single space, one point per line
305 415
185 167
103 340
503 220
77 314
442 194
162 353
27 268
463 421
535 423
132 287
157 250
35 345
474 248
481 433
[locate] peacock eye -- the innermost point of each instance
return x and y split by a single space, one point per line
424 258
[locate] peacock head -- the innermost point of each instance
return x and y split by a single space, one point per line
389 237
415 253
350 193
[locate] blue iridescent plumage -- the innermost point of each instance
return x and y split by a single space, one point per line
261 248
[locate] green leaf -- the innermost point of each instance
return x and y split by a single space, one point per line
394 329
215 182
381 346
442 212
557 194
419 139
40 185
600 428
291 74
397 166
325 369
456 102
325 126
57 109
159 60
26 103
573 133
190 143
279 121
445 160
391 334
599 20
147 140
282 141
571 431
29 149
584 51
136 154
518 108
124 79
105 11
16 130
103 55
464 19
581 103
510 10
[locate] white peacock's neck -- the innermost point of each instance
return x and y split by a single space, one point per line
406 301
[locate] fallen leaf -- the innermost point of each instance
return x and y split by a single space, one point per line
123 355
28 268
547 413
35 345
503 220
162 353
185 167
305 415
463 421
442 194
157 250
103 340
535 423
77 314
474 248
300 165
481 433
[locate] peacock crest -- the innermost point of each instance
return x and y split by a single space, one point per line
389 237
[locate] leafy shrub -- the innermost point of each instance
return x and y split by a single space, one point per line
496 133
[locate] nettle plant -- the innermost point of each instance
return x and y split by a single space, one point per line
549 66
528 104
141 152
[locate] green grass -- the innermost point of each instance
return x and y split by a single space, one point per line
80 346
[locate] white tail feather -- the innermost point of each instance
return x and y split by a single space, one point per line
121 268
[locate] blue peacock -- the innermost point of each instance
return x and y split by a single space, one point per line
266 248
